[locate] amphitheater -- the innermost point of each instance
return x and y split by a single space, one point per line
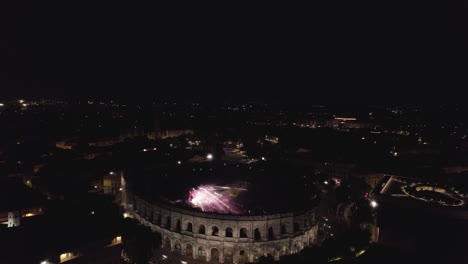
211 236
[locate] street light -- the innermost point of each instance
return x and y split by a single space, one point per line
374 204
209 156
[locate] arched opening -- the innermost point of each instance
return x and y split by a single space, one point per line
150 217
296 248
178 227
297 228
177 247
228 232
284 230
189 227
189 250
257 253
243 258
257 235
243 233
228 256
168 222
214 255
201 229
271 234
284 251
271 251
215 231
167 243
201 252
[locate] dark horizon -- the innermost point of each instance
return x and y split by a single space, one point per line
64 54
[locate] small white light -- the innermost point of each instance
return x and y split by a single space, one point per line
120 189
325 182
1 104
154 148
144 150
95 186
44 262
183 262
209 156
111 173
164 256
179 162
263 158
92 212
373 204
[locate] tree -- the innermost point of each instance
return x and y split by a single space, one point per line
138 241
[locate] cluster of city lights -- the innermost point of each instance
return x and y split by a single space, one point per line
211 198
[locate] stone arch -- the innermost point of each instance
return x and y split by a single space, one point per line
243 233
189 227
284 251
177 246
168 222
271 233
257 253
229 232
228 256
188 249
271 251
150 216
201 229
257 234
155 218
297 227
215 255
167 243
178 226
297 247
243 257
201 252
215 231
284 229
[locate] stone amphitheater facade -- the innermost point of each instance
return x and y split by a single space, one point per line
221 238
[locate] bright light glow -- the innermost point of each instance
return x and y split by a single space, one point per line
21 101
164 256
325 182
92 212
210 198
24 105
125 215
29 215
263 158
2 104
209 156
179 162
111 173
144 150
120 189
95 186
154 148
373 204
183 262
44 262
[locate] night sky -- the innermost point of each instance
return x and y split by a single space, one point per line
259 54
